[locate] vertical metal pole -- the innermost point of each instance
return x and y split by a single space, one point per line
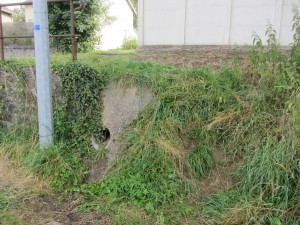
1 35
43 76
74 48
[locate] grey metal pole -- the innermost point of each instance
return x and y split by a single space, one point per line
1 35
43 76
74 46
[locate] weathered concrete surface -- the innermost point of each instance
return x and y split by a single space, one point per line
120 107
19 51
18 95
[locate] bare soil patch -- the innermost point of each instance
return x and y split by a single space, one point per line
193 57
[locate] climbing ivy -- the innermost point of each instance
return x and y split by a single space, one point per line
77 114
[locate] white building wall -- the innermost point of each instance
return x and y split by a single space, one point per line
207 22
287 17
29 13
213 22
162 26
120 28
6 18
249 17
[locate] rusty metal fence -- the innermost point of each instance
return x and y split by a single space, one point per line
72 20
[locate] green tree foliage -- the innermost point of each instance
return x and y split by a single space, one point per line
135 18
19 15
87 22
135 3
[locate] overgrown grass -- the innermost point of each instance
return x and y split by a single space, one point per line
250 114
6 204
76 118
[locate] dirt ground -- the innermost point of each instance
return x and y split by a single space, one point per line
192 57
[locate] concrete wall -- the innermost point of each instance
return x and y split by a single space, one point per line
18 29
213 22
28 13
18 51
120 28
7 18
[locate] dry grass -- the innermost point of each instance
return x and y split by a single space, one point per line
176 154
35 203
221 119
12 176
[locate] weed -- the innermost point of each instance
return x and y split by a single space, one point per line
145 179
59 164
129 44
271 171
199 161
6 204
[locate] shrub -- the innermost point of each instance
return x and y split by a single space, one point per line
129 44
199 161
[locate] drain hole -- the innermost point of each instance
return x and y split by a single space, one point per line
106 134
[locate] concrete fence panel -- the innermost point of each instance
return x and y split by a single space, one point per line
164 22
207 22
213 22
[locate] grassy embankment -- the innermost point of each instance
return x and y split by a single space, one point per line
241 124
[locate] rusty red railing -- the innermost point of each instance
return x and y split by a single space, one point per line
72 20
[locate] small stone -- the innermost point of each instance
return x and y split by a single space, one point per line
54 223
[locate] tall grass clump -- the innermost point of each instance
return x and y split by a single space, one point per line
6 204
268 178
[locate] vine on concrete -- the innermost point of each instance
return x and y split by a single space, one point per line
77 115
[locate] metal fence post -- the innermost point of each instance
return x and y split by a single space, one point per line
1 35
74 48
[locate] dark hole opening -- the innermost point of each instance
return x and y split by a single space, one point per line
106 134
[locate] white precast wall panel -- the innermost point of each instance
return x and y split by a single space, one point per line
164 22
213 22
141 16
249 17
208 22
286 22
